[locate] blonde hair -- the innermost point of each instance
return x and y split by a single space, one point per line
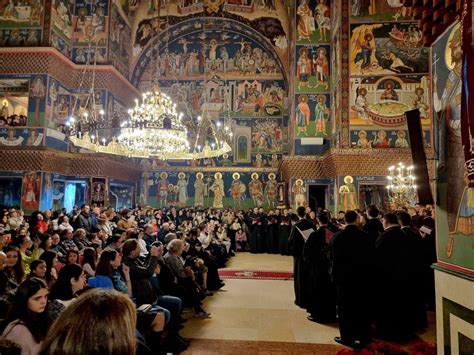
99 322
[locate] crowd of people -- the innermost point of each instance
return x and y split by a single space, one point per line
370 271
163 262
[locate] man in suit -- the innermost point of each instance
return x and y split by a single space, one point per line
349 253
393 267
299 233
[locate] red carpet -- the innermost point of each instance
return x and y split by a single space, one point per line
379 347
255 274
239 347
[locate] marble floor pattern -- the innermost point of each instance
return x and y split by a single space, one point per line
260 311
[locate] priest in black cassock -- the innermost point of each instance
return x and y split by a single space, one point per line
284 232
349 253
299 233
415 252
322 299
393 267
373 227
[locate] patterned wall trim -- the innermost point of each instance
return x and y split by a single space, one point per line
345 140
339 162
68 164
51 61
465 343
216 169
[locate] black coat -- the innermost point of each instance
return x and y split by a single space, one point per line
373 228
416 281
300 271
140 272
85 221
394 263
350 265
322 299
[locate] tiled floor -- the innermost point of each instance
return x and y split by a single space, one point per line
258 309
262 310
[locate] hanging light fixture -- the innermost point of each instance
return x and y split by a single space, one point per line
401 185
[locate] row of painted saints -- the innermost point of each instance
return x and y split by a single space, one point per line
261 193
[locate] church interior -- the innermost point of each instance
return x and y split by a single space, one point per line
208 159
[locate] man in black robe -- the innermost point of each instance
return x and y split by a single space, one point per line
349 253
393 267
284 233
322 298
299 233
255 236
373 227
415 250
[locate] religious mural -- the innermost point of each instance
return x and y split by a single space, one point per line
227 98
313 57
21 137
13 102
381 138
20 37
455 214
269 20
387 48
10 192
30 192
61 19
372 190
313 21
119 42
61 44
312 115
389 75
208 189
384 100
16 14
380 10
229 72
37 100
90 27
312 68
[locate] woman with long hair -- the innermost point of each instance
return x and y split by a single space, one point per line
24 244
51 259
13 268
108 270
46 243
71 279
28 317
111 312
89 261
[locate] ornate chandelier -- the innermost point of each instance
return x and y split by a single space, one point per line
401 185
